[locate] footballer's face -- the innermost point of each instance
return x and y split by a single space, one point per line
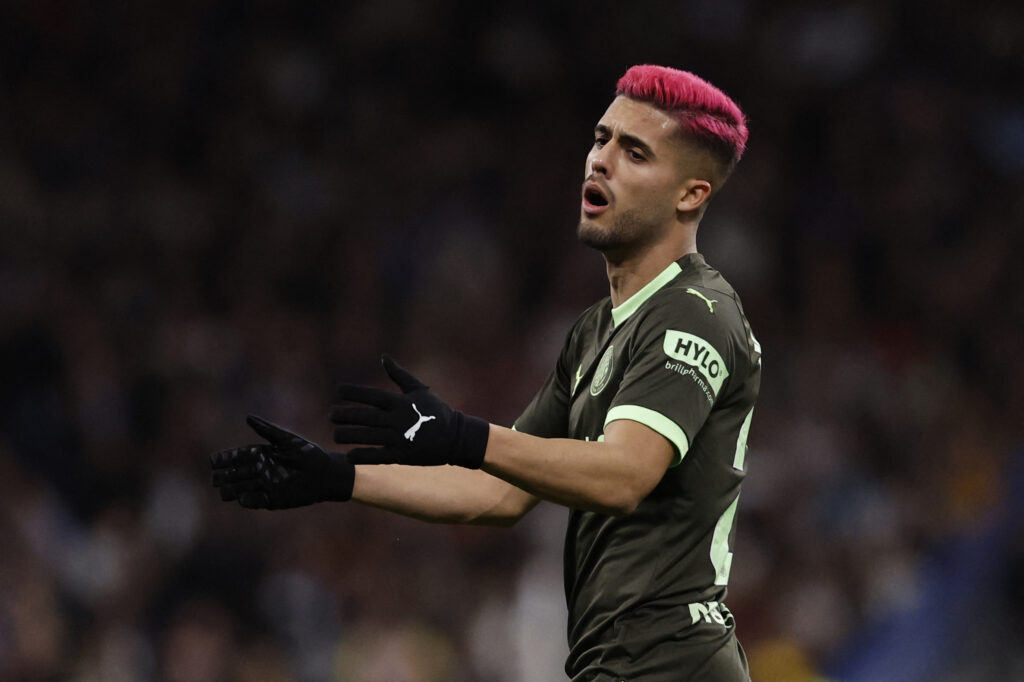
634 178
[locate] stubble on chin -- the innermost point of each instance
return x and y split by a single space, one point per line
627 231
595 237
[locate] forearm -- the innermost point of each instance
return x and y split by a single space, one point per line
605 477
443 494
499 472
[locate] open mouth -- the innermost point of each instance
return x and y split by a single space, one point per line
594 197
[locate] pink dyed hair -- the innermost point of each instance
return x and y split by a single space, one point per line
705 114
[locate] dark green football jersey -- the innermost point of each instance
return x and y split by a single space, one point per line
644 590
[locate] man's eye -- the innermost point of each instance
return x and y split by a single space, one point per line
636 156
600 141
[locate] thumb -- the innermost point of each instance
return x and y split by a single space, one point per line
273 433
407 382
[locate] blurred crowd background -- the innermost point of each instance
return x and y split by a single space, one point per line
216 207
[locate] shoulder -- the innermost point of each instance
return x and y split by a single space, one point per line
593 312
589 319
695 318
691 306
582 328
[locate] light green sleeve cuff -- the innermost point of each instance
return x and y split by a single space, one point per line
653 420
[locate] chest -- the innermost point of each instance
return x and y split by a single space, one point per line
600 368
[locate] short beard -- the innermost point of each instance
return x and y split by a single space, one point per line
629 232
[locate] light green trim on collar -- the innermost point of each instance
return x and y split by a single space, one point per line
622 312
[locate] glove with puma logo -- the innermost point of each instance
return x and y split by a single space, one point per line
287 471
411 427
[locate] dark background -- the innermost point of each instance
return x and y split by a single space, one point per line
215 208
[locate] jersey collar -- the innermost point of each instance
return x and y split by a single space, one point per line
622 312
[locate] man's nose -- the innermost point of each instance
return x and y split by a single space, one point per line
599 162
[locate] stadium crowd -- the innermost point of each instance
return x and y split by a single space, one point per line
215 208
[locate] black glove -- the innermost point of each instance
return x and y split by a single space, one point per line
288 472
414 426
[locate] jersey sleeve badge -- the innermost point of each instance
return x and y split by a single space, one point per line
697 358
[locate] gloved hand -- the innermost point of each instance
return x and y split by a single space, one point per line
414 426
288 471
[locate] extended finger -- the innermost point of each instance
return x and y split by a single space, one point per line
233 456
406 381
359 416
233 491
235 474
365 435
366 395
273 433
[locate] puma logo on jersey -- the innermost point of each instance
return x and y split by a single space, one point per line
711 302
411 433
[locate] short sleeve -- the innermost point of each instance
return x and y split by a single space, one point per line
679 363
547 415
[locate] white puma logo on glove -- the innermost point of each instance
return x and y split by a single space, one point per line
411 433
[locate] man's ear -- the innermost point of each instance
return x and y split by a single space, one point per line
693 195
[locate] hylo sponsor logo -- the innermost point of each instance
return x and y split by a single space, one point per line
699 354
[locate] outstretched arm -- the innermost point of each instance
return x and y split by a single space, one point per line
518 471
290 471
500 474
444 494
610 477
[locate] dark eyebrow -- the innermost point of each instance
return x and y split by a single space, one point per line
626 139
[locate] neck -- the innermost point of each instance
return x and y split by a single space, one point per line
629 273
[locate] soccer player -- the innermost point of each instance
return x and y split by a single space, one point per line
640 430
